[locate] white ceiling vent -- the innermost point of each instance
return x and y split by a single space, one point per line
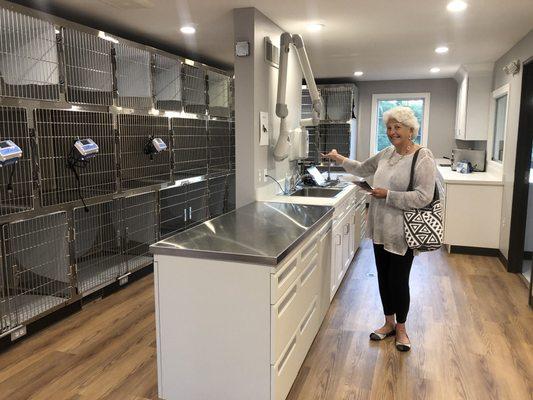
129 4
271 53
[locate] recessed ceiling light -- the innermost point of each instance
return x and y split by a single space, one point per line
441 50
434 70
456 6
188 30
358 73
315 27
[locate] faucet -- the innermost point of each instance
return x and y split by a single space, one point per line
274 179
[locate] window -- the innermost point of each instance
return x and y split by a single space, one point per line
418 102
500 99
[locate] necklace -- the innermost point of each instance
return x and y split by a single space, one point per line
392 162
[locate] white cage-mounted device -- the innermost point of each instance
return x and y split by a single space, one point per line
154 145
10 153
85 149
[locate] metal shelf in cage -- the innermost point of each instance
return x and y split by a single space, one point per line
133 77
57 132
37 276
142 164
28 57
220 146
16 178
194 89
140 229
218 94
189 147
98 247
167 85
88 67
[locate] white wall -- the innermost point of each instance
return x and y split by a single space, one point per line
255 91
443 97
523 50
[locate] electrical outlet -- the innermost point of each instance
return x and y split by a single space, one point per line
260 175
265 173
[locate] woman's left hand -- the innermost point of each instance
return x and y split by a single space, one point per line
379 193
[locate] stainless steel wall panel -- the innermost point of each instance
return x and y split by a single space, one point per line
37 265
137 168
57 130
88 66
29 65
19 196
166 73
189 147
98 248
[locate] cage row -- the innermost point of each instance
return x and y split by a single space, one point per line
40 60
53 259
73 155
325 137
338 102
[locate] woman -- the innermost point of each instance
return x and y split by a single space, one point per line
391 168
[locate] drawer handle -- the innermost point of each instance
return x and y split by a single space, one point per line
305 275
307 318
285 274
285 357
308 249
287 300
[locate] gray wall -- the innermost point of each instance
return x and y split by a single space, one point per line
443 97
255 91
523 50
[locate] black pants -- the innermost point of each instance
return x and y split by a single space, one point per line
393 279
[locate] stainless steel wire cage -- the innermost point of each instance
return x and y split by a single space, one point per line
220 147
133 77
37 274
5 313
138 169
198 203
218 94
29 64
334 136
167 85
140 229
314 144
57 130
231 193
88 68
194 89
173 211
189 147
98 247
339 102
16 180
218 196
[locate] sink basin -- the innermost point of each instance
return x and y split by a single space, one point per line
316 192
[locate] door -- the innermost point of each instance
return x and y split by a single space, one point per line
336 257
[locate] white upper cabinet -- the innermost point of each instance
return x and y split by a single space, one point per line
473 101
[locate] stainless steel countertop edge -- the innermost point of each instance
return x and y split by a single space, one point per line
245 258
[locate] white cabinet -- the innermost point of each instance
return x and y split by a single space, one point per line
472 215
473 101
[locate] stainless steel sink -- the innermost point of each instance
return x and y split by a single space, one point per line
316 192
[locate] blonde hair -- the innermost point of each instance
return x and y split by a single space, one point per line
405 116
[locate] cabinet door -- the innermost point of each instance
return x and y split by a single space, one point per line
346 244
324 257
197 204
173 213
336 260
352 233
460 118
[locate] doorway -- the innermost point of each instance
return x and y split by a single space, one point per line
521 240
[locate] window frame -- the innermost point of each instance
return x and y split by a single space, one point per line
398 96
495 95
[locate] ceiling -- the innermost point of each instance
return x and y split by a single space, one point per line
387 39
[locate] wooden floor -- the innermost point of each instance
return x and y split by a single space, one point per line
469 322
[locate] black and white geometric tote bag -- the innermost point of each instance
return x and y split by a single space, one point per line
423 226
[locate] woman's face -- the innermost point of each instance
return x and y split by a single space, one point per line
398 133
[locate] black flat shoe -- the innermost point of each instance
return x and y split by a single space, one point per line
380 336
403 346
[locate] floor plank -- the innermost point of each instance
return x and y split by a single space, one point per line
469 322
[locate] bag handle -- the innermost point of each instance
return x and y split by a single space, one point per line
412 176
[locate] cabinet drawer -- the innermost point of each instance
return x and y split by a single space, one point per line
283 278
290 309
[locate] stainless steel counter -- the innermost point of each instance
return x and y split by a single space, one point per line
258 233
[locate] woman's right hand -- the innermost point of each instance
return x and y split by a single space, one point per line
334 156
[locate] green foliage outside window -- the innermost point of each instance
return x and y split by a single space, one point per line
417 105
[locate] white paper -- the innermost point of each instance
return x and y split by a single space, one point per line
264 129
